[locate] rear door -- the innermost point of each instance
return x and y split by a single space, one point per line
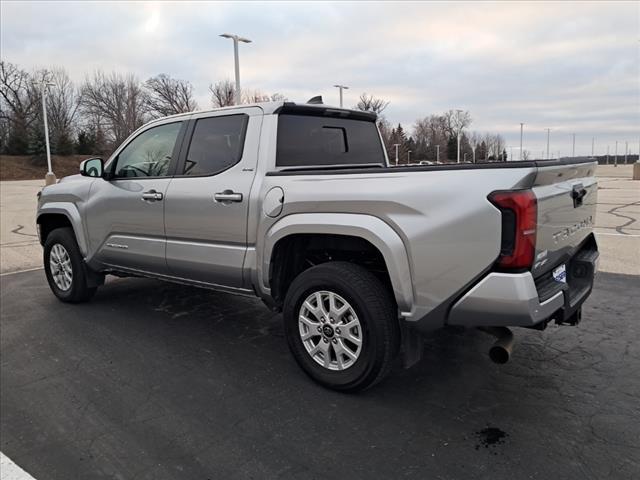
125 215
207 202
567 196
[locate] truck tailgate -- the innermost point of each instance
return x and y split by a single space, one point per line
566 195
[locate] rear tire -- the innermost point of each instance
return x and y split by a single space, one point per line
342 326
65 268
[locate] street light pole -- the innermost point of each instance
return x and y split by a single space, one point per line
548 134
341 87
458 111
49 178
396 145
615 159
236 39
573 151
593 146
521 130
626 151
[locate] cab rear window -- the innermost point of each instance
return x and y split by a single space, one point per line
308 141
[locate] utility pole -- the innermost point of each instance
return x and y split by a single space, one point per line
236 39
396 145
511 156
437 153
626 151
521 130
607 154
548 134
593 146
458 111
49 178
615 161
341 88
573 151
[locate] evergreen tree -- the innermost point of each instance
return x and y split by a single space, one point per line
37 147
481 152
85 143
452 148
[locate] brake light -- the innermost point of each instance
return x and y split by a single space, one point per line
519 221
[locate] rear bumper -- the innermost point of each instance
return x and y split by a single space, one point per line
519 300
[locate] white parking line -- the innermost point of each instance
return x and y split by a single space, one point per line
11 471
21 271
617 234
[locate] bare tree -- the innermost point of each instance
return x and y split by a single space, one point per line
456 121
526 155
63 100
168 96
18 107
222 94
369 103
278 97
254 96
117 100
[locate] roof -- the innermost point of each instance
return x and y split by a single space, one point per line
290 107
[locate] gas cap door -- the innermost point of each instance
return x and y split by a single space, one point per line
273 201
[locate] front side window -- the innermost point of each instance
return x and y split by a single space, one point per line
149 154
216 144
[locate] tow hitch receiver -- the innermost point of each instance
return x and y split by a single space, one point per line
572 320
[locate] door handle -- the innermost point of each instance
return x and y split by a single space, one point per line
151 196
227 196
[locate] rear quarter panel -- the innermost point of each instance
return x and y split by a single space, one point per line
450 231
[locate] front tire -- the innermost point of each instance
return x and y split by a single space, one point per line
65 268
341 324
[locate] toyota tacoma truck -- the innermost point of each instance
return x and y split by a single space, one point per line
298 204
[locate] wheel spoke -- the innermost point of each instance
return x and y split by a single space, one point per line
320 304
345 350
347 335
308 322
310 334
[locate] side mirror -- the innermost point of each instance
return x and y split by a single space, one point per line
92 167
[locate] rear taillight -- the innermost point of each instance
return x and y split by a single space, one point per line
519 218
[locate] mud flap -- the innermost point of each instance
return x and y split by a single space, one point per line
412 346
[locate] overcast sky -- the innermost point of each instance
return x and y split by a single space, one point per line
570 66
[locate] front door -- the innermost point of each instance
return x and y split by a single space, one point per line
207 202
125 215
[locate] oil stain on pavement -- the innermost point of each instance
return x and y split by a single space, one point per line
490 437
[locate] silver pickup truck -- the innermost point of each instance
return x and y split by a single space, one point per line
297 204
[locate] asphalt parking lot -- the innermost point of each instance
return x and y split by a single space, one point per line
159 381
156 381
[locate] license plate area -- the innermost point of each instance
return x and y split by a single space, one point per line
559 273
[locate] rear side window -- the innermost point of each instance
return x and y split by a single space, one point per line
305 140
216 144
